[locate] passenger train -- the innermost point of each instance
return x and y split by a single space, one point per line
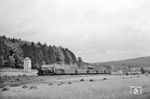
56 71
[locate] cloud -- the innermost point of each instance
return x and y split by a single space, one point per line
97 30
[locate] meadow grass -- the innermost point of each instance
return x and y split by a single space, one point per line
112 88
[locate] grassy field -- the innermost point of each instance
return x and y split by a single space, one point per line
74 87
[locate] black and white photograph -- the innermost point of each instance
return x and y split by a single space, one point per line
74 49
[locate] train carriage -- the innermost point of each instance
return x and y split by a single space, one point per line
59 72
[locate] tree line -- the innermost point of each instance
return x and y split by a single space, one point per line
13 51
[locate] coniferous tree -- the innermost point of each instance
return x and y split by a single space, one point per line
142 70
80 62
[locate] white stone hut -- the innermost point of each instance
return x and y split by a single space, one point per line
27 64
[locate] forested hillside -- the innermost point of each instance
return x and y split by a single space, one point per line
13 51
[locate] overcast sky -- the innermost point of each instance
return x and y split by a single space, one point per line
96 30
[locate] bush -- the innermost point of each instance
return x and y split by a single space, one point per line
17 79
146 74
69 83
81 79
62 82
105 79
58 83
127 73
50 84
142 70
7 88
25 86
8 77
33 87
91 80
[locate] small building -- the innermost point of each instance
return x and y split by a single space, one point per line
27 64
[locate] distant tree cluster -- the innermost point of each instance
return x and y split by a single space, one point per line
105 67
144 70
13 51
80 62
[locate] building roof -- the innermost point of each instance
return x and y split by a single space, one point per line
27 58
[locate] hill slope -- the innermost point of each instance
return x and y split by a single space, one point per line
134 62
